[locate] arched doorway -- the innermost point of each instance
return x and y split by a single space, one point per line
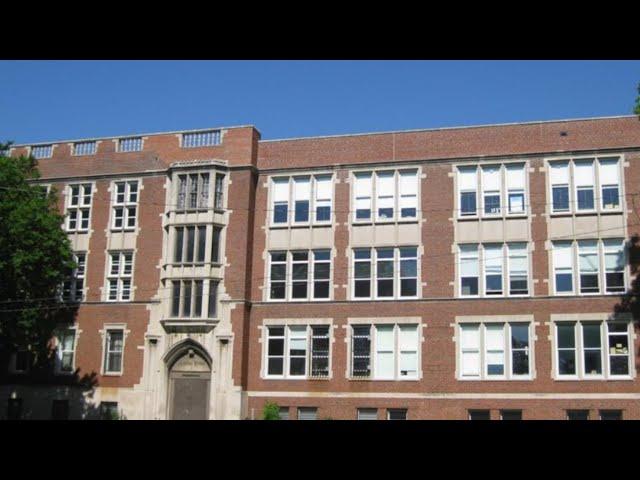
189 384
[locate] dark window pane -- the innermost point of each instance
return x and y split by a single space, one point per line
492 204
300 271
60 410
610 198
610 414
323 214
495 369
385 212
363 288
280 213
408 288
198 299
407 212
202 242
299 290
591 335
175 304
469 285
385 269
274 366
321 271
385 288
278 272
408 268
320 367
518 285
177 258
619 365
186 305
321 289
363 214
564 282
519 336
511 414
277 290
276 346
615 282
589 283
577 414
215 245
560 199
213 299
302 211
468 203
297 366
520 363
567 362
361 367
397 414
362 270
566 335
278 257
479 415
585 199
494 284
190 244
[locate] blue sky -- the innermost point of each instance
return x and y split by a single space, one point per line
58 100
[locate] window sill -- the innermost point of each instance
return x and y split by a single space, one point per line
384 222
494 217
121 230
512 379
368 379
299 225
307 379
594 379
112 374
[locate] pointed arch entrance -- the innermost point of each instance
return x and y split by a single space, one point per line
189 371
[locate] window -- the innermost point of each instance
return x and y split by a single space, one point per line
610 414
592 349
193 191
125 205
190 244
609 183
307 413
188 297
577 414
298 351
131 144
610 253
469 270
119 276
559 175
393 195
201 139
84 148
14 409
109 411
42 151
479 415
468 186
397 414
65 350
585 181
284 413
588 264
215 245
311 197
491 189
367 414
60 410
585 185
219 192
78 207
304 284
510 414
385 351
114 343
494 351
73 288
493 260
563 267
395 274
515 176
518 269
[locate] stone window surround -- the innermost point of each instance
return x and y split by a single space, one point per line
76 336
67 199
112 195
107 276
103 335
289 277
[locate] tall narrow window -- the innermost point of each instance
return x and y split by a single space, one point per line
175 298
219 192
610 183
519 349
493 260
182 192
323 198
78 207
119 276
515 188
408 342
584 181
114 343
299 275
588 262
469 270
408 193
384 272
467 186
491 190
73 287
614 262
494 343
302 195
203 190
385 192
193 191
297 350
385 352
178 246
275 351
320 351
280 200
278 275
559 174
212 306
408 271
518 269
470 350
65 350
363 196
202 242
321 273
125 205
566 337
618 348
362 273
215 245
592 346
361 351
563 267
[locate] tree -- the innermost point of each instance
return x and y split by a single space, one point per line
636 110
35 258
271 411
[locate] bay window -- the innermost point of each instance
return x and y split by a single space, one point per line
188 298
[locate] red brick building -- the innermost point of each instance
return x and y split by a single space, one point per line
432 274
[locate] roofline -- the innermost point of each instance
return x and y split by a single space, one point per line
449 128
114 137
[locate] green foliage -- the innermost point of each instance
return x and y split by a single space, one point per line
35 257
636 110
271 411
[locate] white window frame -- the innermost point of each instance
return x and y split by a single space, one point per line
289 281
60 352
78 273
90 145
374 196
605 361
136 141
313 199
80 207
201 138
126 204
397 352
507 350
396 273
106 349
120 276
48 149
286 338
